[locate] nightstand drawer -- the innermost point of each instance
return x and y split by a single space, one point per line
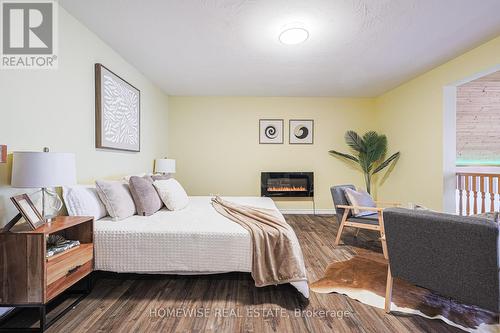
73 276
69 263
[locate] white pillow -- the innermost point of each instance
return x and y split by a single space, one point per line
172 194
83 201
117 198
360 198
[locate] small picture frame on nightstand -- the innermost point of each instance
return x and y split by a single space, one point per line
28 210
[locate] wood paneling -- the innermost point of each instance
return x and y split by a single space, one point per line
125 302
478 119
493 77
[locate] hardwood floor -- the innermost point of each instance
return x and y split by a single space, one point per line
231 302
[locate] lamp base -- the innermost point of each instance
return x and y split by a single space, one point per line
49 203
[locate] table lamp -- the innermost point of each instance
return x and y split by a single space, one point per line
164 165
44 170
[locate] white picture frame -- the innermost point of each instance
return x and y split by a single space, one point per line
118 112
301 131
271 131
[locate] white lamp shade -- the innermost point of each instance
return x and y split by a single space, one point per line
39 169
165 165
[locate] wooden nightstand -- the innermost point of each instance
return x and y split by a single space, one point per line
29 279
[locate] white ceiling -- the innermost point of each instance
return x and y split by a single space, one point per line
231 47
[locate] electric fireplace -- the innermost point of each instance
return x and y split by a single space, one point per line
287 184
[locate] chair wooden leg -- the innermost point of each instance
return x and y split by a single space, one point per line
357 232
341 227
382 235
384 245
388 290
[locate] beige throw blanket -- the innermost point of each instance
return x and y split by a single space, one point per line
277 256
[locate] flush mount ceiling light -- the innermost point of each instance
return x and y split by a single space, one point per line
293 36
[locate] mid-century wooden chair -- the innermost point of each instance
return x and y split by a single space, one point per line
343 210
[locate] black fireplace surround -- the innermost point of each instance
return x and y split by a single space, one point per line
287 184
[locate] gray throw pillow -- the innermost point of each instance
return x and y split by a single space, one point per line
146 198
360 199
116 197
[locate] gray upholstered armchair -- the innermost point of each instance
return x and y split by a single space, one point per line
343 210
455 256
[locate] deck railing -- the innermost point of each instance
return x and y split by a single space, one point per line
477 192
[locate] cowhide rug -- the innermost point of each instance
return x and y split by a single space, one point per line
363 278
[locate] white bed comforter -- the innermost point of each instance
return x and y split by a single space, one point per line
195 240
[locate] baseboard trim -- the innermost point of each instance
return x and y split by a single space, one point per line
308 211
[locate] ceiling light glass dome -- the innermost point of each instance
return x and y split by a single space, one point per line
293 36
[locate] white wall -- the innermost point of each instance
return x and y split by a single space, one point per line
55 108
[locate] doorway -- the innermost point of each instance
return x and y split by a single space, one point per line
470 144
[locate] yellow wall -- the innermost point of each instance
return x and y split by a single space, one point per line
412 117
215 141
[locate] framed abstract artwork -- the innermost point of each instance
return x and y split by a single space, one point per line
117 112
301 131
271 131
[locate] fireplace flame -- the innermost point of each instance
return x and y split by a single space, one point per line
286 189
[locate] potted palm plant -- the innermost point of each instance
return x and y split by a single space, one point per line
370 150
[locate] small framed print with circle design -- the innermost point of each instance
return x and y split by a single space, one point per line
271 131
301 131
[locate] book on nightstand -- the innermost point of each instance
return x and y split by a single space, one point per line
61 247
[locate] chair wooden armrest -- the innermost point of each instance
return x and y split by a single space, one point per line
387 203
374 209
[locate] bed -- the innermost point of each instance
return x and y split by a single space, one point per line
195 240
